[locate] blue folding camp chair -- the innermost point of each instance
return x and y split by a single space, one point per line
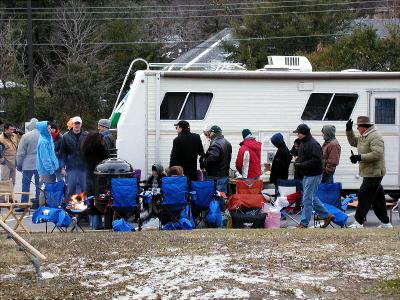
53 209
205 203
329 194
175 200
124 192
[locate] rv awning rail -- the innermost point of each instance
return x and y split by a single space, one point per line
282 75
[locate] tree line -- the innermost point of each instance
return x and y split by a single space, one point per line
82 49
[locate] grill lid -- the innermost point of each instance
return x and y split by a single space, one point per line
114 166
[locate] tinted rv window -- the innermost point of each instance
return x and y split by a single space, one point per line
385 111
196 106
171 105
316 106
341 107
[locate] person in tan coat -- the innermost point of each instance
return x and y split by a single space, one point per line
9 140
371 159
330 153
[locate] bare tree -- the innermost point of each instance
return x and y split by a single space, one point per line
75 35
11 52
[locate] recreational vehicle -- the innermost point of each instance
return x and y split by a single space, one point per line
275 99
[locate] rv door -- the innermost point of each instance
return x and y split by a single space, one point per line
385 113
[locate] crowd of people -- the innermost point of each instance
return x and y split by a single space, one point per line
47 155
313 163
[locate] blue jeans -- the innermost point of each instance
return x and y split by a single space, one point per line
26 184
310 200
327 178
75 178
222 183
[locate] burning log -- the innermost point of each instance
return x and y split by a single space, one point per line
77 202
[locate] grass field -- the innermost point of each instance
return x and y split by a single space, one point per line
205 264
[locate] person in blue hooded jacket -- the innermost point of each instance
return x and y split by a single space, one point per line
46 159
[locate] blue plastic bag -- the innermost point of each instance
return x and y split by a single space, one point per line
122 225
182 224
187 214
214 217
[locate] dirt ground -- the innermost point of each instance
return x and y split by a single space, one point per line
205 264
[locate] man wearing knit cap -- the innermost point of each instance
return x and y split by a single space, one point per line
248 161
103 127
71 157
330 153
310 164
217 160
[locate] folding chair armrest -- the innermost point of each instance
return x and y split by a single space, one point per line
23 193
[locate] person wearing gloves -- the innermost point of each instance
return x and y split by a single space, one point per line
330 153
371 164
46 159
248 161
310 164
282 159
26 161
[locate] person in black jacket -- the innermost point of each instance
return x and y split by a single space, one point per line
282 159
217 160
310 164
186 148
71 157
93 151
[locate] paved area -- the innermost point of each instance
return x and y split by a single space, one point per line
372 221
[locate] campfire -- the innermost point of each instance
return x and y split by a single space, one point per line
77 202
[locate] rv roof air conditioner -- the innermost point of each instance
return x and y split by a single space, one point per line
288 63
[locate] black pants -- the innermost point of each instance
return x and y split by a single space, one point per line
371 193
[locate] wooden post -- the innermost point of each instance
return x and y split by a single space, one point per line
19 240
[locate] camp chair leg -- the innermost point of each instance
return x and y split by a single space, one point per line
9 213
19 222
285 214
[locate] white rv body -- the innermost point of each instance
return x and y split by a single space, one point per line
265 102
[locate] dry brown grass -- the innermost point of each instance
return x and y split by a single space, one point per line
279 264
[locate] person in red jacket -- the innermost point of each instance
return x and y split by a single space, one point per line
248 161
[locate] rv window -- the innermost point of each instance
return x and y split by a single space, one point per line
196 106
385 111
171 105
341 107
316 106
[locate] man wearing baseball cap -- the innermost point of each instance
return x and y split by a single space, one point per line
310 164
217 160
71 157
371 164
103 127
186 148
